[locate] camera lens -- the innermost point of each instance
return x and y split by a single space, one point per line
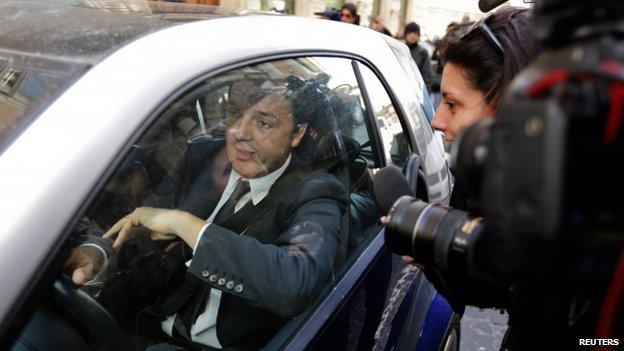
412 227
433 234
400 229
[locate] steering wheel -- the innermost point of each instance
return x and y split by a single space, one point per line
100 325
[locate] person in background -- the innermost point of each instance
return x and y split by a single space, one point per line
419 54
451 26
436 74
348 14
378 25
330 14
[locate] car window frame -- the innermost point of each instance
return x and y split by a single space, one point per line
369 118
403 119
424 129
406 126
50 266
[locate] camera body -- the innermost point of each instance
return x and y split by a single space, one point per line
544 225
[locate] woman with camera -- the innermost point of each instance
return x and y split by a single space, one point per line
480 60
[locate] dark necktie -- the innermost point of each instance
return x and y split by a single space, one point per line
227 210
196 294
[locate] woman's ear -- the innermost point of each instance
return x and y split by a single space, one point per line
490 110
298 134
492 107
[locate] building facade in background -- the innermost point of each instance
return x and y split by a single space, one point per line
432 15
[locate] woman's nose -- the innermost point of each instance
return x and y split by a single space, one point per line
439 122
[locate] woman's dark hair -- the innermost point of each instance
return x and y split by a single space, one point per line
351 8
488 67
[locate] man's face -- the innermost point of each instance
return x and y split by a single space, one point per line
260 133
412 37
377 25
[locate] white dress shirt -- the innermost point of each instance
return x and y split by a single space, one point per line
204 331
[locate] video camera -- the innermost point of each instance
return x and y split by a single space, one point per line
544 235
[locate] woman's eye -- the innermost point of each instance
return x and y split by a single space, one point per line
451 105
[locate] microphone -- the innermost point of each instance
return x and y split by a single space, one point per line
489 5
389 185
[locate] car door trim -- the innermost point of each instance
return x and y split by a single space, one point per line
369 118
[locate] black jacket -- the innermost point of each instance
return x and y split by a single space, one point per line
423 61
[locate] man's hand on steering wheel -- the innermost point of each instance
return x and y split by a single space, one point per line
84 262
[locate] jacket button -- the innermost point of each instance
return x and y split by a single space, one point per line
221 281
239 288
213 278
230 284
205 274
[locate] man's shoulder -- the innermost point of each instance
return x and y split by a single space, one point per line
322 178
319 183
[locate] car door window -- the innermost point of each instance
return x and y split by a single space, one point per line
271 162
396 147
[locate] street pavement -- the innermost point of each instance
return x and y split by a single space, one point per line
482 329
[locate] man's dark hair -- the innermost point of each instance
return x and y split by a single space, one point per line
314 104
412 27
486 67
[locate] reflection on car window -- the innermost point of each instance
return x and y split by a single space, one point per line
396 147
237 208
25 90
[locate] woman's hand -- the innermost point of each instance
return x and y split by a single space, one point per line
165 224
407 259
384 220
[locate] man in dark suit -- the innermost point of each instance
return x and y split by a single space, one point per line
273 238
